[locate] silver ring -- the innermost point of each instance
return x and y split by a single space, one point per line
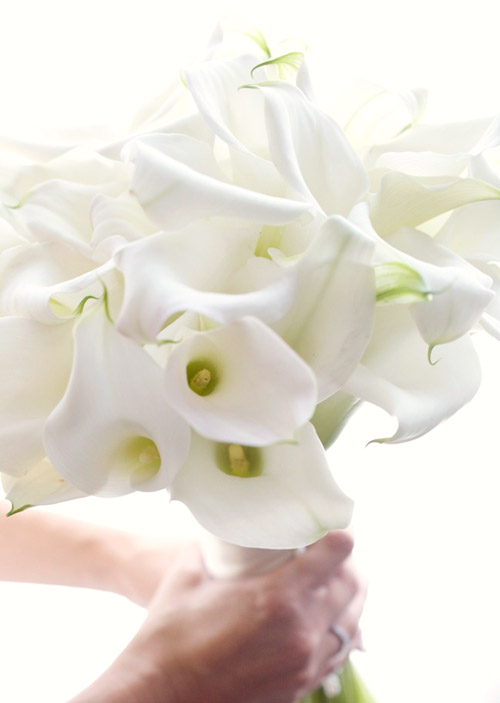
344 639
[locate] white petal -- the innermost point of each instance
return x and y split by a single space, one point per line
459 303
262 391
425 163
114 432
311 152
35 363
33 275
70 173
489 139
370 114
41 485
482 170
397 376
331 320
33 151
174 194
214 86
8 236
457 293
332 414
294 501
473 231
115 222
405 201
209 268
455 138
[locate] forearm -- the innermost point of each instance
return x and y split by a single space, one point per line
40 547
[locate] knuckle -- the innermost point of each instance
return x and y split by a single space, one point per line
285 607
279 607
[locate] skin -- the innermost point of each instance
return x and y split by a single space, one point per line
262 639
251 639
63 551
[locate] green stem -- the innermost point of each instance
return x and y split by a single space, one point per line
353 690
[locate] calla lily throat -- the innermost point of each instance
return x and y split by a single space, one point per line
237 460
202 377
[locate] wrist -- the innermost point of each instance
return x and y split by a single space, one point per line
132 678
128 564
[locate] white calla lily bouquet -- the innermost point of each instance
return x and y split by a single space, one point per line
200 306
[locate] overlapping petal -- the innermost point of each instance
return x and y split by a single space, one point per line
176 186
331 319
311 152
231 114
209 268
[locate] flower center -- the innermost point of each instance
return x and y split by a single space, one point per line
236 460
200 380
139 458
149 454
201 376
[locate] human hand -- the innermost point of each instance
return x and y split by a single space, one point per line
262 639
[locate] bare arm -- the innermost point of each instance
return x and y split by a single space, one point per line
39 547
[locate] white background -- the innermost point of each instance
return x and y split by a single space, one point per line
427 518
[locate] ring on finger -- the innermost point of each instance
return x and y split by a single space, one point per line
343 638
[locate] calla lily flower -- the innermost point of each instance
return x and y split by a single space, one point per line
113 431
276 497
240 383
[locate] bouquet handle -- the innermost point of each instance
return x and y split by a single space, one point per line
225 560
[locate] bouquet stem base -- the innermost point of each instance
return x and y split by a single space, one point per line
352 690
